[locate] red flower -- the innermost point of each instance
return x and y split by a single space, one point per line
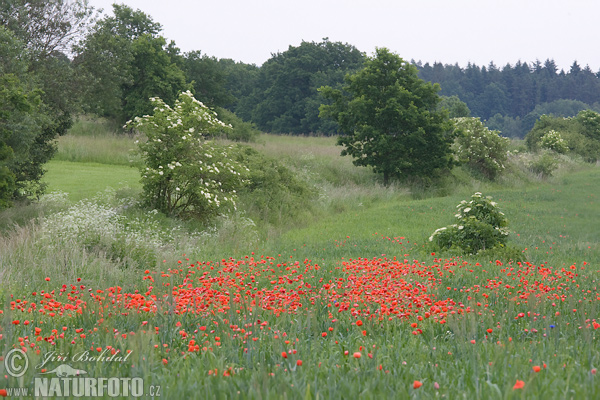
537 368
519 385
357 355
283 354
299 363
417 384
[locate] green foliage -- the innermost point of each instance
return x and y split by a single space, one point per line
590 123
544 164
26 131
208 78
480 226
554 141
184 173
456 108
154 75
273 193
126 62
240 131
286 100
482 150
579 133
389 119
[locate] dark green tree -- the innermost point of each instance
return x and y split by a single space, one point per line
390 119
285 97
208 78
125 62
456 108
26 142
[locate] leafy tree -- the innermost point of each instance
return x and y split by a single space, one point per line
126 62
286 99
46 27
456 108
24 142
208 78
390 119
154 75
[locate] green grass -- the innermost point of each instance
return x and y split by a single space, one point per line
554 222
84 179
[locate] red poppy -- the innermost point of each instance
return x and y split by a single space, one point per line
519 385
417 384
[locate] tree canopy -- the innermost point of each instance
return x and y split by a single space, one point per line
390 119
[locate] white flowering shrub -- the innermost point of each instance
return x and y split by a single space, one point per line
479 148
553 140
184 172
480 226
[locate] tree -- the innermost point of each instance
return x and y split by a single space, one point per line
208 78
390 119
154 75
286 99
46 27
25 144
455 106
126 62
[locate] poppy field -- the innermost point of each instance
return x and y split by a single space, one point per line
352 306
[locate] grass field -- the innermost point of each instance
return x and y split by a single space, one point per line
348 304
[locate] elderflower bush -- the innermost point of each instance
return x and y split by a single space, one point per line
554 141
184 172
479 148
480 226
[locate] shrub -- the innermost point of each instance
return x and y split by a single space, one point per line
481 226
240 131
184 173
544 165
554 141
479 148
273 192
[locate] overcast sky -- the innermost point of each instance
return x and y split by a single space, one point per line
448 31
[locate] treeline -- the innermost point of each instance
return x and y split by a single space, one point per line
513 97
59 59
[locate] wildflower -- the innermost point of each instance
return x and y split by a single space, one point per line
537 368
299 363
417 384
519 385
283 354
357 355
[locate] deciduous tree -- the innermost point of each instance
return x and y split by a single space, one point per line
390 119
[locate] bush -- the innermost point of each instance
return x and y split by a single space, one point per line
544 165
481 226
273 192
479 148
184 173
554 141
240 131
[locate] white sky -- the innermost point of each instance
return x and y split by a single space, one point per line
448 31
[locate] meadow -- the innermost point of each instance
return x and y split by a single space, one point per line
345 300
